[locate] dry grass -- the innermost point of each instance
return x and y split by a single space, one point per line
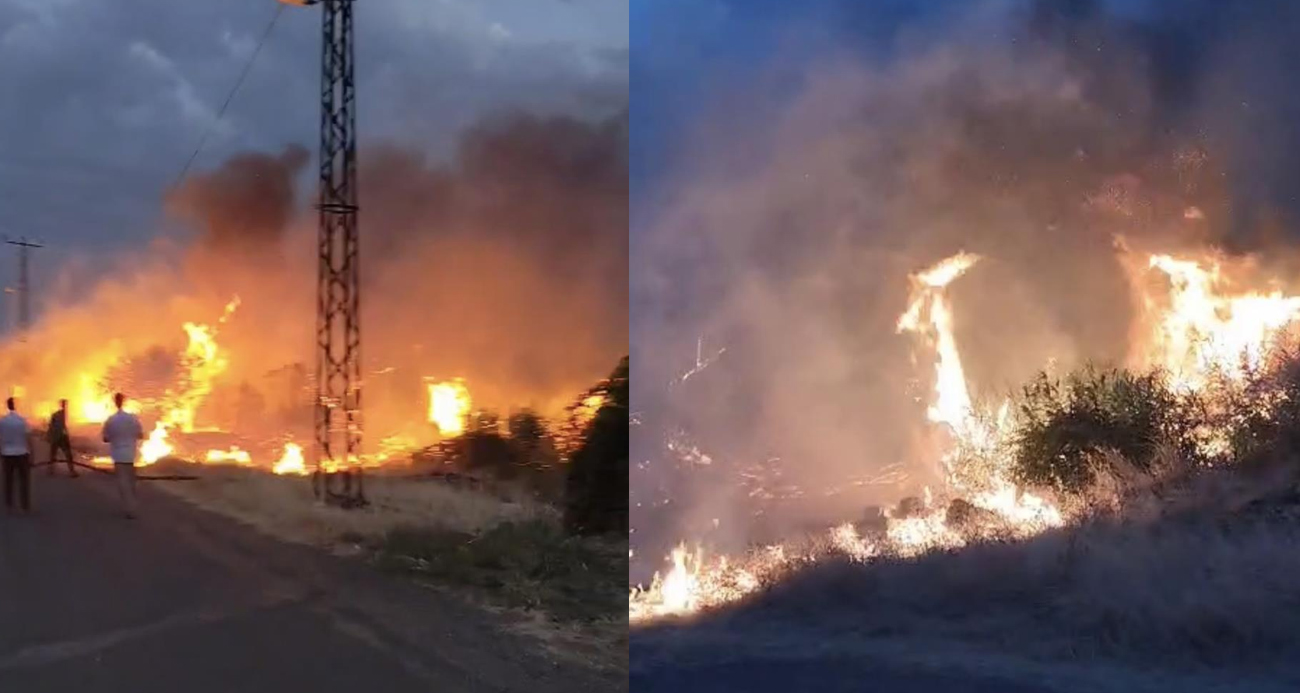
284 507
1195 573
503 552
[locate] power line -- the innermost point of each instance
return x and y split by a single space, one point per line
279 7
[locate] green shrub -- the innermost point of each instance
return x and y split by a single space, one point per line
1062 426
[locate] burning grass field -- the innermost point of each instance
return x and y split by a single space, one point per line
1108 529
1190 586
984 269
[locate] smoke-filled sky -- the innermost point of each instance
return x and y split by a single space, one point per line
101 103
792 163
493 192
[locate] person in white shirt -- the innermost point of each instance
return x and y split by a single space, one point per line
123 433
15 451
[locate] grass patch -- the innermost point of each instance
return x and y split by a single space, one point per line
286 508
505 553
528 565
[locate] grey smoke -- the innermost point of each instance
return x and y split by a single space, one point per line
788 219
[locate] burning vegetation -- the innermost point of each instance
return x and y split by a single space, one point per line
967 295
1212 385
505 267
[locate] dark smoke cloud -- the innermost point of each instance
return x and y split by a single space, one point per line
809 186
246 204
514 254
554 188
506 265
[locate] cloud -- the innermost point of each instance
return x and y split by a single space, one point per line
106 101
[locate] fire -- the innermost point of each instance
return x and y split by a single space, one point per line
291 462
692 585
232 456
588 408
1206 329
390 448
156 447
680 589
204 363
1194 327
929 315
449 406
95 411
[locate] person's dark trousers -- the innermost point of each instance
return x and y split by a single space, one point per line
18 471
63 445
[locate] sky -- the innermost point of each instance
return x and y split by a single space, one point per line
1218 71
101 103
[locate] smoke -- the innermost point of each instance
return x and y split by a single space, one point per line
506 266
243 205
513 259
809 186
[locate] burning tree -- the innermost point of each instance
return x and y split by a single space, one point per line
579 419
596 494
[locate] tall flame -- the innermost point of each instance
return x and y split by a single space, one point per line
691 584
929 315
204 363
156 447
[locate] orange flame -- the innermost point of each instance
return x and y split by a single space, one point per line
232 456
1203 328
449 406
291 462
156 447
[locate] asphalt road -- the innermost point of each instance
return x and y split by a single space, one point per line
184 600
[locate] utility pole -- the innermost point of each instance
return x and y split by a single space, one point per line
24 286
11 301
338 326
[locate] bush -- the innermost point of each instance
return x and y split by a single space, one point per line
529 436
488 452
1261 416
1064 426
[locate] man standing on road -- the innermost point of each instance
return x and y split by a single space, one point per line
59 439
17 458
123 433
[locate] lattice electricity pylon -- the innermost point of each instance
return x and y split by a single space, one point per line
338 325
24 285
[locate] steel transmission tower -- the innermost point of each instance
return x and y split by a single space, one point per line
338 326
24 285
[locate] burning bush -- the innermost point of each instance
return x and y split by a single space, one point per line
1065 426
1261 418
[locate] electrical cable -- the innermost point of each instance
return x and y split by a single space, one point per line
279 7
